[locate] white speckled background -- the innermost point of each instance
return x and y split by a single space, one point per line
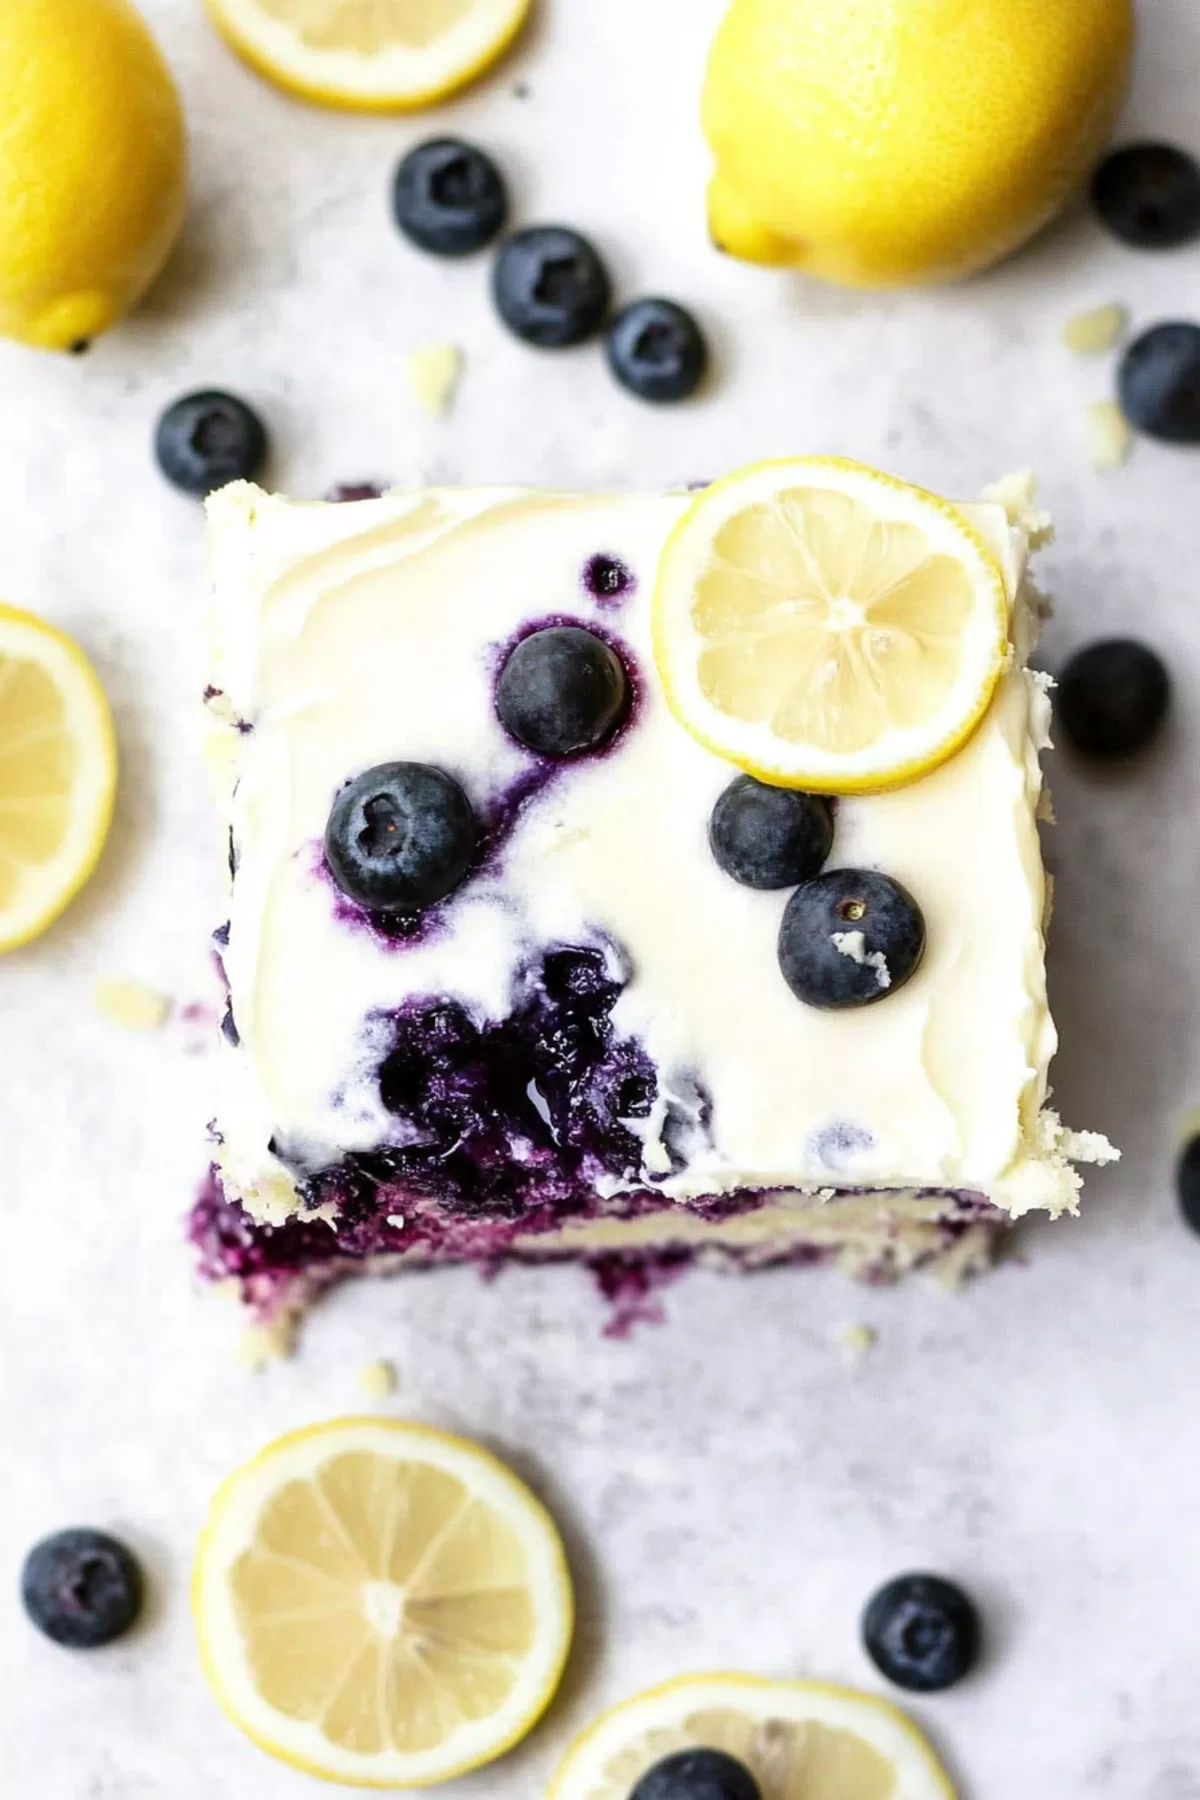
730 1488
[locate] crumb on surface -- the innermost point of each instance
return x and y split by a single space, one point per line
1093 332
857 1341
376 1380
1108 434
268 1341
433 375
130 1004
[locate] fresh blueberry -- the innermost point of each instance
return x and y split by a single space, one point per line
205 440
1187 1182
1112 698
449 198
697 1775
1159 383
769 837
1148 195
656 350
850 937
551 287
400 838
81 1588
562 690
922 1633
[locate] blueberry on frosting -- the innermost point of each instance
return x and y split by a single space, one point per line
769 837
400 838
562 691
850 937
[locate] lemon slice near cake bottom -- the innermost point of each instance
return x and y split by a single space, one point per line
381 1604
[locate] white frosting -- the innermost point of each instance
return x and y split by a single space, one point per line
348 635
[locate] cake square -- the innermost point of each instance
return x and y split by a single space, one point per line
588 1049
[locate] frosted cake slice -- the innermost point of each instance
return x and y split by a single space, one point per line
586 1047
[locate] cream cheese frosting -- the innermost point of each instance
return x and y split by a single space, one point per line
349 635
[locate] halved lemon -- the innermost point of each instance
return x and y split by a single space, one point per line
370 55
801 1740
827 627
381 1604
58 774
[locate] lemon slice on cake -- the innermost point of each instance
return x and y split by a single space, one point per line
58 774
800 1740
827 627
380 1604
370 55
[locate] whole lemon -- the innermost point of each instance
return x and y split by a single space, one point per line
92 167
887 142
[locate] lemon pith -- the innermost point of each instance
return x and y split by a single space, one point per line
825 626
887 142
370 55
92 167
381 1604
801 1740
58 774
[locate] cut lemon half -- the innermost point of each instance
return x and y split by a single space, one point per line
824 626
58 774
380 1604
370 55
801 1740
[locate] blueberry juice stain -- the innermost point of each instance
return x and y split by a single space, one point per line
608 580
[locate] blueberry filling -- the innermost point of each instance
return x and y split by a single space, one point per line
496 1117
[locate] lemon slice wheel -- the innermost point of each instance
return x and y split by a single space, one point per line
380 1604
827 627
58 774
802 1740
370 55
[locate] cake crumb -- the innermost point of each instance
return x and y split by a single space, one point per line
268 1341
376 1380
857 1341
130 1004
1108 435
433 374
1093 332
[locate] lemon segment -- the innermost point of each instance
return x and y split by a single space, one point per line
93 172
801 1740
380 1604
58 774
370 55
826 627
